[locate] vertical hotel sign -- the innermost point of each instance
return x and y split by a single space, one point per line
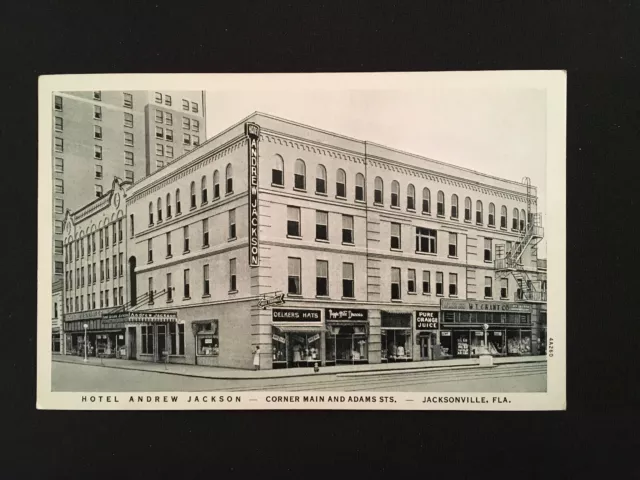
252 131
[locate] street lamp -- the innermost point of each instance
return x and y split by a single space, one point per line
85 341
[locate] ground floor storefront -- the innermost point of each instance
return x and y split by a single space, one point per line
56 340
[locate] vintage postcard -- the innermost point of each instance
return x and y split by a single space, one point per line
389 241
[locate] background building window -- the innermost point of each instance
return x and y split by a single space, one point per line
341 184
411 197
453 244
426 281
185 233
479 213
395 283
195 125
128 158
378 191
159 204
59 165
294 287
453 284
158 97
59 145
347 280
216 185
186 139
97 152
128 139
58 185
395 194
205 232
322 225
98 189
426 200
208 342
97 112
347 229
168 118
503 217
150 213
128 100
149 250
277 173
488 291
426 240
128 176
178 211
440 204
504 288
203 191
128 120
322 278
169 151
293 221
229 179
97 132
168 238
59 205
360 187
169 288
98 171
321 179
467 209
57 102
232 224
58 124
395 236
299 175
492 215
193 195
411 281
232 275
487 249
187 290
439 283
454 206
205 280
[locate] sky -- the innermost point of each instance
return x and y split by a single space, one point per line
497 131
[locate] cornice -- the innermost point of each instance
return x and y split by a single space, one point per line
306 145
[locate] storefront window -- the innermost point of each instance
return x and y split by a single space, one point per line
519 342
396 345
147 339
176 332
279 350
304 348
495 340
461 343
350 344
207 339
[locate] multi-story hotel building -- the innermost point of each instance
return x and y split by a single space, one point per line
380 255
100 135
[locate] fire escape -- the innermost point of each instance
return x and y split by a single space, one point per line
510 261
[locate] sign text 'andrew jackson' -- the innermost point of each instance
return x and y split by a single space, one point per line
253 132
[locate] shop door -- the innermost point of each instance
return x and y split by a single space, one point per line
131 348
426 346
162 341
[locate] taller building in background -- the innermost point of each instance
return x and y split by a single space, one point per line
105 134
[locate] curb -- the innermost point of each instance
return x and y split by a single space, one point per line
354 373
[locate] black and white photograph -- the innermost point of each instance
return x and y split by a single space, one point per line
302 241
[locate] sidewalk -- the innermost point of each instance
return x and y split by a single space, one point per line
223 373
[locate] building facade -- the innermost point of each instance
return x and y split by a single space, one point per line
318 248
100 135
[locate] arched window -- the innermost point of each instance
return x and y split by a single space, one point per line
378 191
203 190
516 216
467 209
411 197
426 201
441 203
341 184
523 220
229 179
454 206
321 179
193 194
178 209
503 217
277 173
395 194
492 215
299 175
360 187
216 185
479 213
168 205
159 209
150 213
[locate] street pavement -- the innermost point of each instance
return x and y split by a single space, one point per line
520 377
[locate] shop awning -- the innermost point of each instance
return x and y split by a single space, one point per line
300 328
141 317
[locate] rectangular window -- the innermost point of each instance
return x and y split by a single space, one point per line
195 125
59 268
453 244
128 139
58 205
168 236
426 281
194 107
205 279
120 263
347 229
207 339
57 102
120 294
504 288
168 118
185 105
58 227
97 132
59 165
396 241
150 250
93 301
102 270
97 152
186 123
167 100
115 266
453 284
159 116
187 291
439 283
322 225
322 278
128 158
169 134
58 185
159 150
395 283
169 289
348 290
186 139
185 232
232 224
57 247
169 151
98 189
488 287
98 171
294 287
160 133
176 333
487 249
158 97
150 291
196 140
115 297
426 240
293 221
97 95
106 268
128 100
205 233
128 176
232 275
128 120
82 276
59 145
411 281
147 339
58 124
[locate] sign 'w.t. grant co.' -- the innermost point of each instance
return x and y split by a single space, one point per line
252 130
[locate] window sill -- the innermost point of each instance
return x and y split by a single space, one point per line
455 219
348 298
433 254
357 200
231 239
453 296
426 294
396 249
488 298
491 226
151 225
396 300
206 295
186 251
452 256
376 204
170 300
411 210
479 224
277 185
439 294
340 198
488 261
323 297
395 207
294 295
299 189
426 213
467 221
322 240
231 292
412 293
186 298
504 298
168 217
349 244
322 194
148 263
440 216
204 203
192 208
228 193
503 228
295 237
168 257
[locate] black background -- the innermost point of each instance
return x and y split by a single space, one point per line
596 42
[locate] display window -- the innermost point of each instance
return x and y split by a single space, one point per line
396 345
496 342
476 342
519 342
446 343
207 339
347 344
279 350
304 348
461 343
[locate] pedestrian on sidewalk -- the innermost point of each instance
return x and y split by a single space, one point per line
256 358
